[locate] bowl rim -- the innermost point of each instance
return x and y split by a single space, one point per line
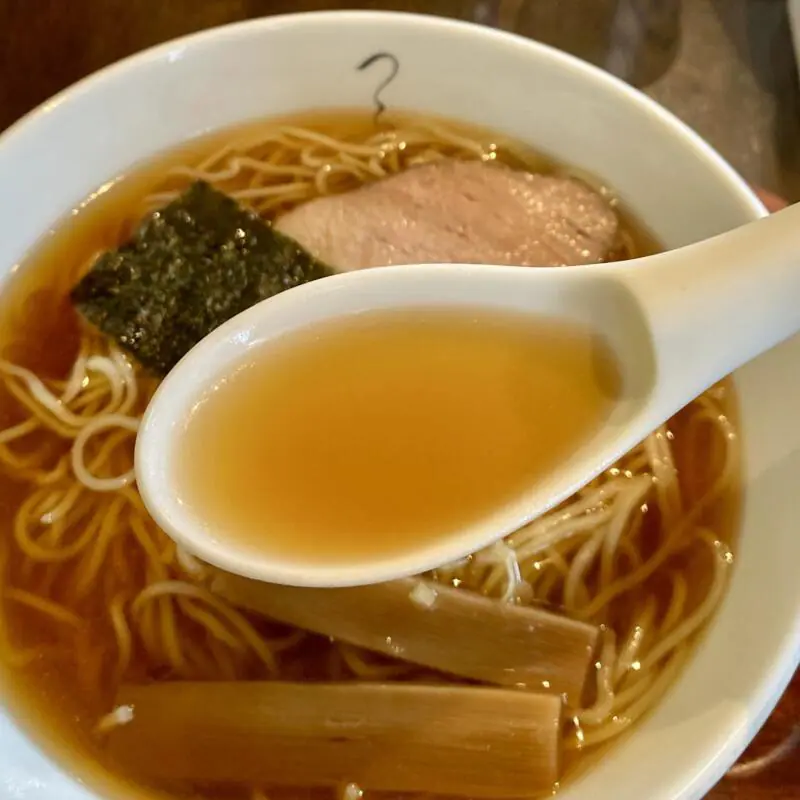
691 782
231 30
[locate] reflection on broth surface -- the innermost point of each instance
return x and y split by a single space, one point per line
105 624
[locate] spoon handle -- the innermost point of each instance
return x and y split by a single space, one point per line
714 305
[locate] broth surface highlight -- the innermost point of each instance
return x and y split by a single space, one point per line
363 437
667 507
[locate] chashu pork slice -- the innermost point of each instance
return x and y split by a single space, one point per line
458 212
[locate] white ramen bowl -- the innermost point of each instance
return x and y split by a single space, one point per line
673 181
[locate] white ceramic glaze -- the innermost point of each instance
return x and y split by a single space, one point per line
676 183
677 322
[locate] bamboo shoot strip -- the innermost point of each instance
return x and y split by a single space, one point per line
477 742
453 630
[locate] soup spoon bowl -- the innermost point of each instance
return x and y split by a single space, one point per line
676 322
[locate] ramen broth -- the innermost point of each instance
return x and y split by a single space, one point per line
65 606
365 437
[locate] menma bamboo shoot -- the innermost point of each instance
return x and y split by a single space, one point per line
452 630
451 740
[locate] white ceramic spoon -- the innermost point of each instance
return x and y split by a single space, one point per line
677 322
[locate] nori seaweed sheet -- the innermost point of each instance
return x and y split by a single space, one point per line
189 267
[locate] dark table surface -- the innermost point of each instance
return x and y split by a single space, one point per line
724 66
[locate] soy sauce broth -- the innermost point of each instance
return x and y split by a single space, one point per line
361 438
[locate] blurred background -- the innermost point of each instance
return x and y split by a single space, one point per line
726 67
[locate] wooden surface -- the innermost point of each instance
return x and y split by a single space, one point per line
47 44
777 781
